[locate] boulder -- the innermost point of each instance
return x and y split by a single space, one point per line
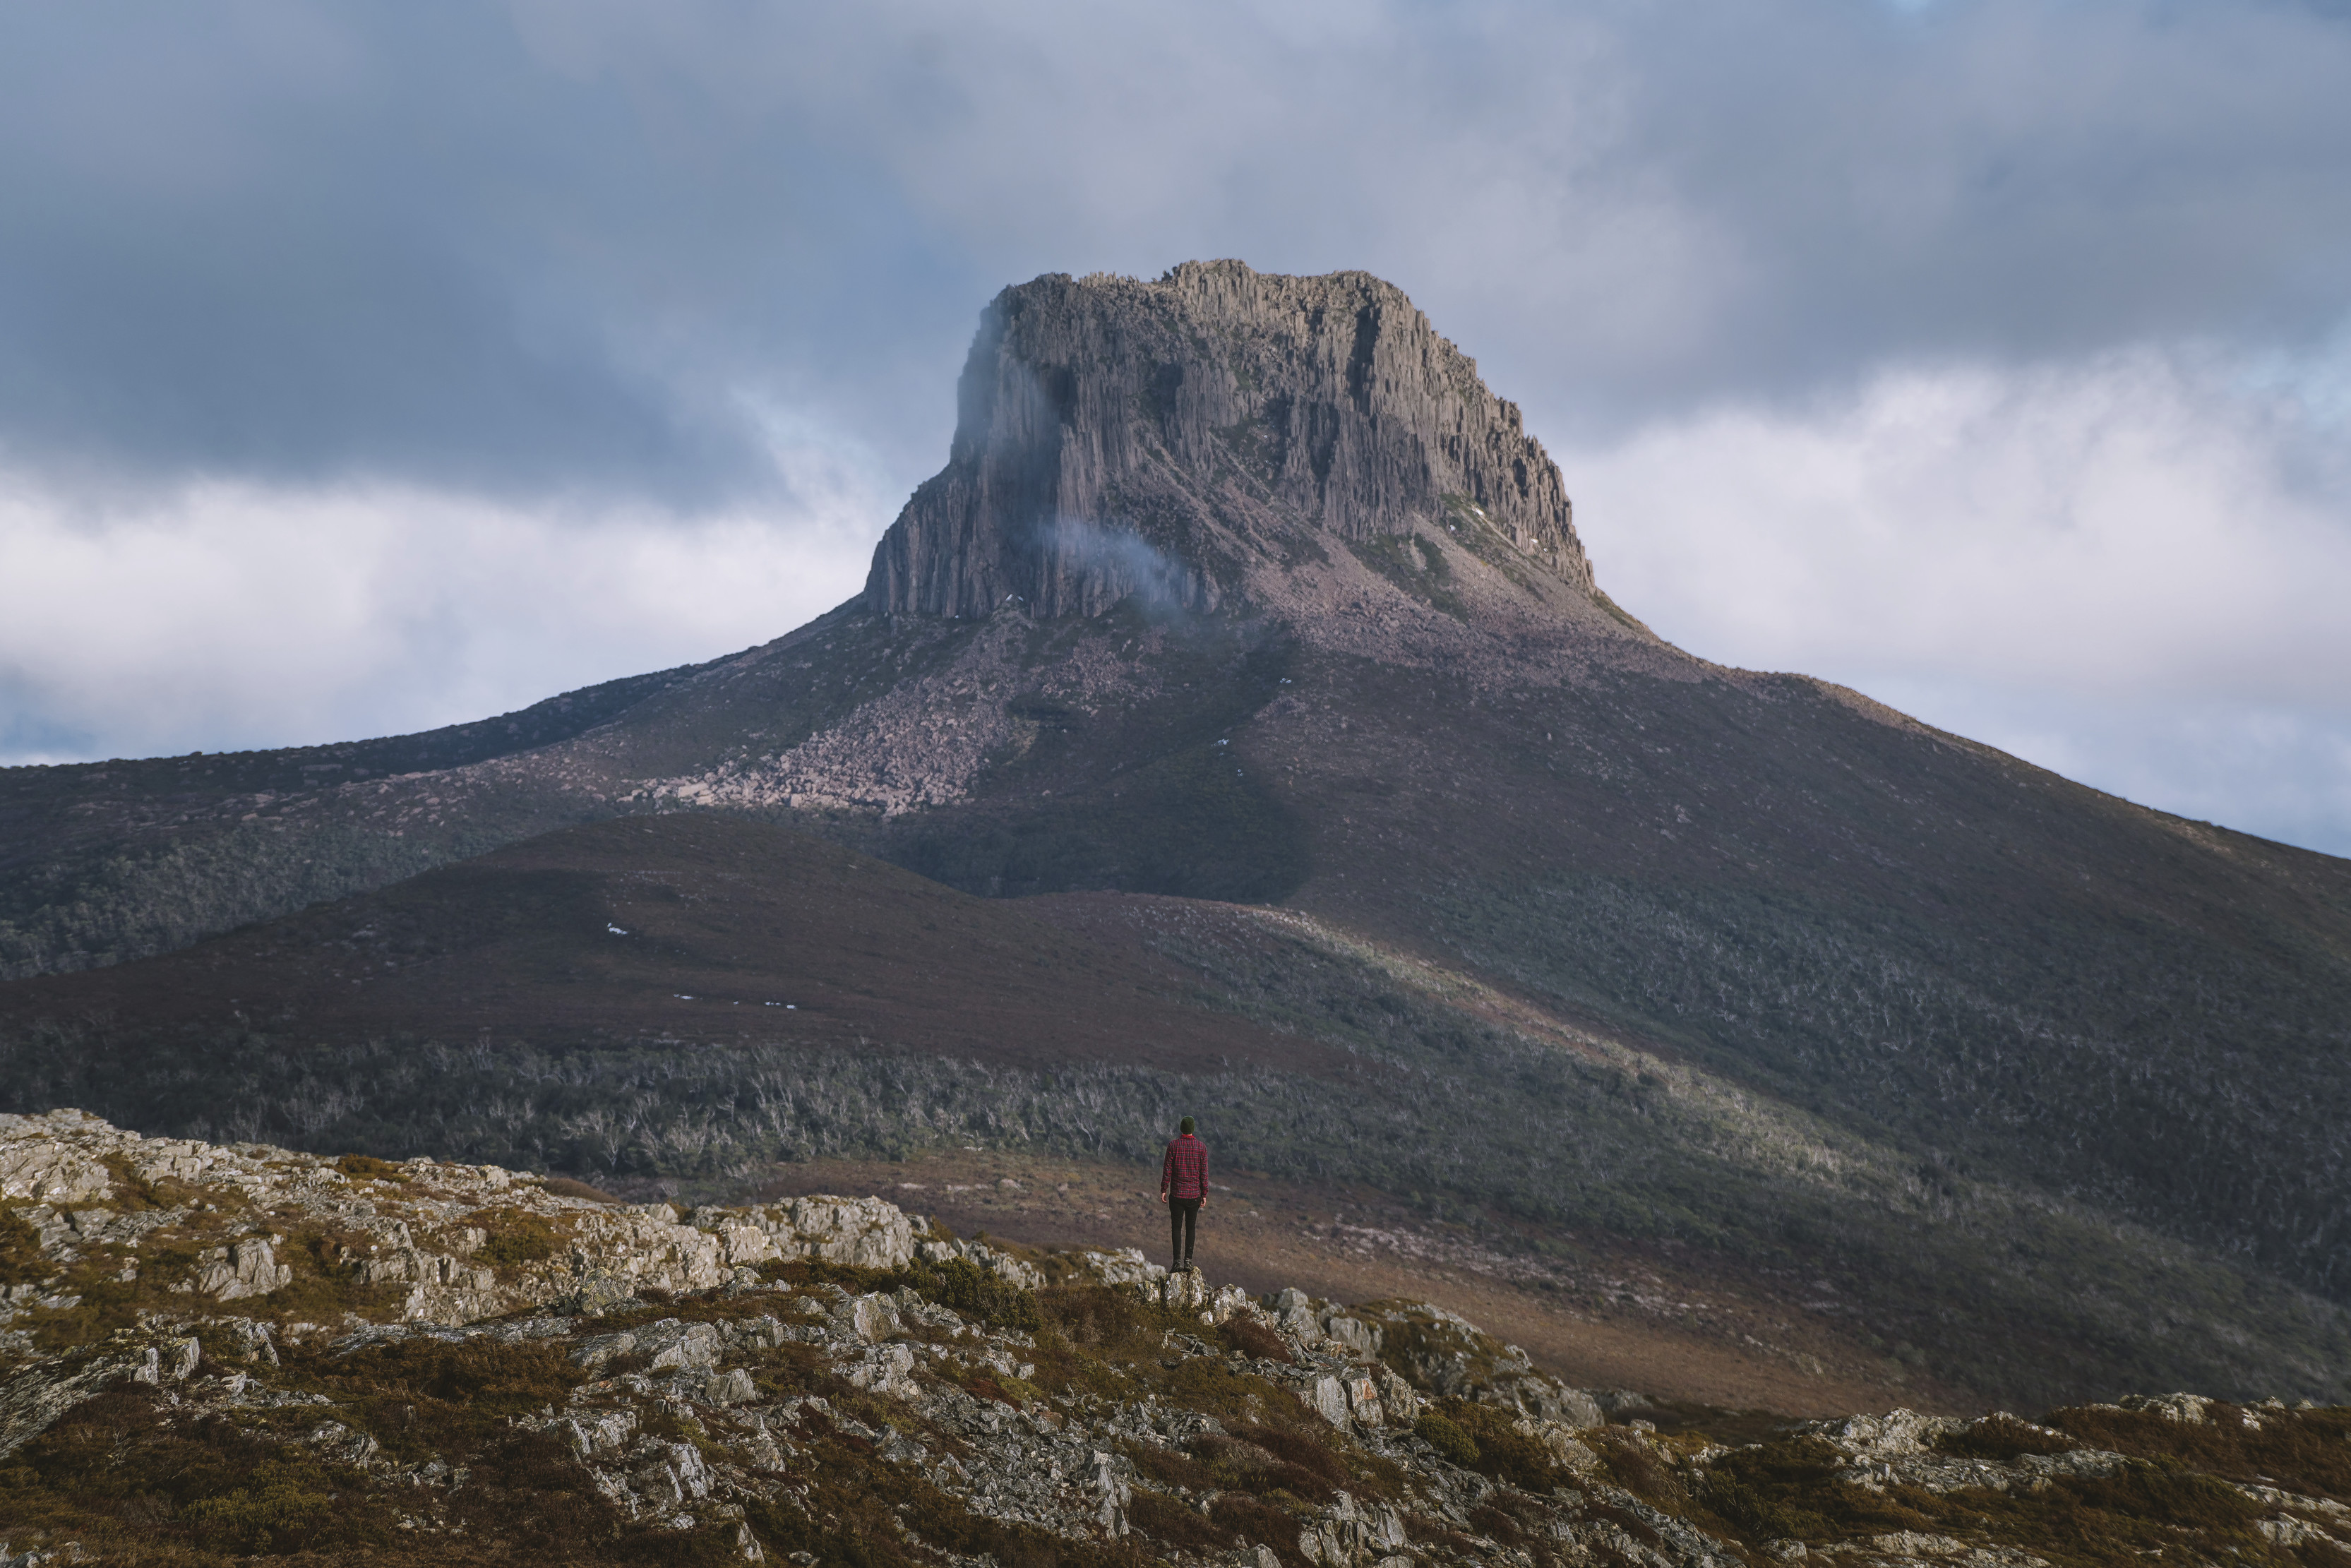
245 1268
1327 1397
1358 1337
871 1318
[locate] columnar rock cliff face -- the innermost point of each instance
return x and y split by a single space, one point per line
1117 437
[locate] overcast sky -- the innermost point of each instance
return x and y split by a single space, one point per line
366 368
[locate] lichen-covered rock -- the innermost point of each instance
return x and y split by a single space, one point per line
773 1411
1327 1397
245 1268
2187 1408
1899 1434
1358 1337
1344 1535
49 1170
1127 1266
90 1190
980 1255
1440 1353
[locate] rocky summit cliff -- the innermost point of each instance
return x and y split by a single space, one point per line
216 1355
1162 441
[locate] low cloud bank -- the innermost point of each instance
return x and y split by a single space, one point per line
2128 569
224 615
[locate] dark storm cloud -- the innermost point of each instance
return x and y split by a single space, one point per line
387 241
2030 180
549 247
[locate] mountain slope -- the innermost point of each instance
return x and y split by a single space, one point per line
607 1000
668 928
1243 588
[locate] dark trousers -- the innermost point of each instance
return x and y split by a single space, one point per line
1182 1219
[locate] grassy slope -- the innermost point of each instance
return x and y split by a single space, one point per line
1922 940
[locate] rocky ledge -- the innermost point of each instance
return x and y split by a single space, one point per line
217 1354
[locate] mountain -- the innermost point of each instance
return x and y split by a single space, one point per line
271 1353
1244 589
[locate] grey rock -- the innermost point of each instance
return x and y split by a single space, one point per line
1897 1435
871 1318
732 1386
1327 1397
683 1346
1361 1338
245 1268
2189 1408
1401 1402
31 1401
1011 1269
1117 437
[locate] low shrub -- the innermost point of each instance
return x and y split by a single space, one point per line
367 1167
1258 1523
973 1292
1253 1339
1791 1491
1503 1453
516 1235
2301 1450
275 1514
1091 1315
1169 1521
2002 1439
1171 1466
565 1186
21 1262
423 1396
1447 1439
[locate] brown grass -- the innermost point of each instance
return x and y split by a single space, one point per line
564 1186
2301 1450
1254 1340
21 1262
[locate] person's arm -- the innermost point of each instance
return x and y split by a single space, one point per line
1167 1171
1204 1175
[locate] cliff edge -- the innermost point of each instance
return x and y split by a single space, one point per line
1119 438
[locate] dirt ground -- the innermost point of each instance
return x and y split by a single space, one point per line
1667 1322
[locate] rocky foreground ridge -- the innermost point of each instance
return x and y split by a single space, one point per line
222 1354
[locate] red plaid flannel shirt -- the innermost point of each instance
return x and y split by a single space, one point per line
1184 1172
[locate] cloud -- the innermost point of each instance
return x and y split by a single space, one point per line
2128 570
226 614
1127 564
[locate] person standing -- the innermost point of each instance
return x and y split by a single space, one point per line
1184 1187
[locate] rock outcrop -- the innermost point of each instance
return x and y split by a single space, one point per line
1121 438
511 1373
451 1243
